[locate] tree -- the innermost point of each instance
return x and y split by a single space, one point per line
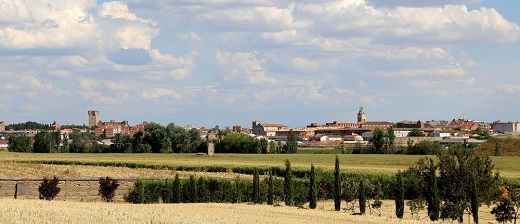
378 141
508 209
498 152
474 200
192 185
362 197
288 184
272 147
415 133
292 142
256 186
459 168
202 190
263 145
45 142
270 191
390 135
176 189
399 195
433 194
107 188
313 194
337 186
49 189
20 144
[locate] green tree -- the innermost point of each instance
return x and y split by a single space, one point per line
362 197
192 184
459 168
313 194
390 136
288 184
474 201
270 191
433 194
378 141
256 186
20 144
292 142
45 142
263 145
337 186
272 147
415 133
399 195
177 189
202 190
498 152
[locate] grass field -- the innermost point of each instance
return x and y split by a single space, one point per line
507 166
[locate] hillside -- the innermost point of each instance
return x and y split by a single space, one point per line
509 146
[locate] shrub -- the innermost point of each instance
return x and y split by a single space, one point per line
49 189
337 186
202 190
288 183
107 188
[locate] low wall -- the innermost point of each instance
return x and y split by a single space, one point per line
71 189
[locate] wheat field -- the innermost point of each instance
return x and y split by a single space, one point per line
38 211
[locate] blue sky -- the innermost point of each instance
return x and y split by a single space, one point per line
227 62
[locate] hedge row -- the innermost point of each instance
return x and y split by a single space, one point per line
203 190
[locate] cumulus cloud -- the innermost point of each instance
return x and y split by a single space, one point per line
243 66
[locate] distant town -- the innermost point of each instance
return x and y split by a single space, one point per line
446 132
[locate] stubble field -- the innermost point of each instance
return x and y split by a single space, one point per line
35 211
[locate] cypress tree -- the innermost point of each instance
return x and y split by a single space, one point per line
313 196
337 186
362 197
399 195
475 203
434 203
288 184
202 190
256 186
270 193
176 189
193 190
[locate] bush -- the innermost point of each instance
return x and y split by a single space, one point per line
107 188
49 189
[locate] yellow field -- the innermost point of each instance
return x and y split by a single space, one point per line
508 166
37 211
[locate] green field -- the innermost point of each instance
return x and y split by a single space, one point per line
507 166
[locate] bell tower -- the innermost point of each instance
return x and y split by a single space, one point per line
361 116
93 118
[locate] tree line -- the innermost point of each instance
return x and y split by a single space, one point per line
155 138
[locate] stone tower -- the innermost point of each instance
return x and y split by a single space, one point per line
2 126
93 118
361 116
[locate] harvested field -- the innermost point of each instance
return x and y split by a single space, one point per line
36 211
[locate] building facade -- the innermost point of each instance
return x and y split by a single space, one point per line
361 116
509 127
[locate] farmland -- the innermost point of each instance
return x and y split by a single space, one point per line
28 211
388 164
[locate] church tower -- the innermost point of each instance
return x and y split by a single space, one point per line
2 126
361 116
93 118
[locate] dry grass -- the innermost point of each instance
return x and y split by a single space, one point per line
36 211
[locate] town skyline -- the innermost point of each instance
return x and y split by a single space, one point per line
229 62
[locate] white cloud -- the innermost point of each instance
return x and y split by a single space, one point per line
243 66
508 88
159 92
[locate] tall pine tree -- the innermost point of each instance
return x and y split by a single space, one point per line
270 193
362 197
434 203
256 186
399 195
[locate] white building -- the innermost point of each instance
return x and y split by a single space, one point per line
441 134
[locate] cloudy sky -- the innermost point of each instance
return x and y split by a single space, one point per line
227 62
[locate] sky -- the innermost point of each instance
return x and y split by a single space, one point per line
229 62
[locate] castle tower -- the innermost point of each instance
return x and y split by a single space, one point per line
361 116
93 118
2 126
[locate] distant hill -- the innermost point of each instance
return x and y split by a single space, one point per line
509 146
